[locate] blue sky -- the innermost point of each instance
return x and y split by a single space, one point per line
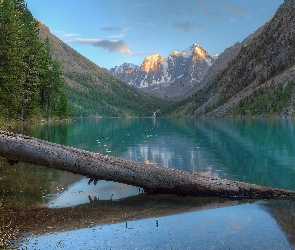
111 32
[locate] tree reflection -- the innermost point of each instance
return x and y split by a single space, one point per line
283 211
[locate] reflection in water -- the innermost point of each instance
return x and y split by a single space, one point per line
283 212
260 151
81 193
237 227
255 151
25 184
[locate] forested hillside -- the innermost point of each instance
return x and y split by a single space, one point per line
41 77
30 80
92 90
257 82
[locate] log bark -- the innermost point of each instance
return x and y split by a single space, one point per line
153 179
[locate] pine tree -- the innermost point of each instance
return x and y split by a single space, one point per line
11 52
46 78
32 58
53 99
28 74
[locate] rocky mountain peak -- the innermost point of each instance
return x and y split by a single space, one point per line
173 76
174 53
124 68
151 63
196 52
190 50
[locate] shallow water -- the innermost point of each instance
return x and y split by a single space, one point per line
238 227
260 151
81 192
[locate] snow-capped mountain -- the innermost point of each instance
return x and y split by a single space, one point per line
171 76
123 68
125 72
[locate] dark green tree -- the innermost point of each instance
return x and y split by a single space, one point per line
32 58
28 74
53 99
11 55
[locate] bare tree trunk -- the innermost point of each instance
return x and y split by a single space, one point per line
153 179
22 111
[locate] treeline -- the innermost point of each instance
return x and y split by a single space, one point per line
31 81
267 102
113 98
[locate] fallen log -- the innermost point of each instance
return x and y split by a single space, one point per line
153 179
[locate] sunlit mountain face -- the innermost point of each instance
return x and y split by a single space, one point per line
180 71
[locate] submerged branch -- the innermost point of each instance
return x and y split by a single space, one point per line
153 179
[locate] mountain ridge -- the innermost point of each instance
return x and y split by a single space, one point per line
258 81
252 78
180 71
92 90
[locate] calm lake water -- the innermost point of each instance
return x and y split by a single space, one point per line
260 151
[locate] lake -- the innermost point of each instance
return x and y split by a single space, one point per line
56 209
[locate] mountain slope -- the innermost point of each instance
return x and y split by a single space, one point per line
92 90
173 76
258 81
228 55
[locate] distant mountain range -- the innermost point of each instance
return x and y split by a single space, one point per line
181 73
93 90
252 78
176 75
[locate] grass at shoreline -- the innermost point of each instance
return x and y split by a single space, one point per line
7 123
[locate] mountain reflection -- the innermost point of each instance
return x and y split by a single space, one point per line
283 212
181 222
260 151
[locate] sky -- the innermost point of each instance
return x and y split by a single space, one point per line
111 32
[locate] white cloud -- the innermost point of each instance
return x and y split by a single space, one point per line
117 36
125 30
62 34
110 45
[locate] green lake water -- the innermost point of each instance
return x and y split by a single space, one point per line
260 151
